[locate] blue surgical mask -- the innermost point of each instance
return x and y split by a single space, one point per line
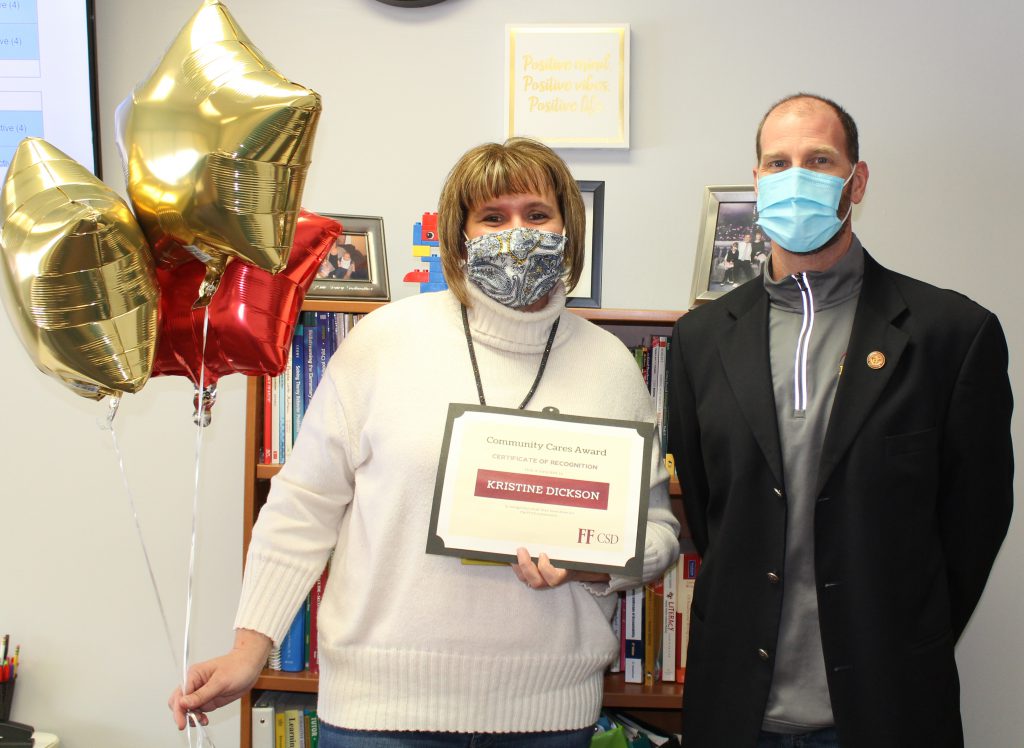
797 207
517 266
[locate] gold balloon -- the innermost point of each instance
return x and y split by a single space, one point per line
78 279
216 145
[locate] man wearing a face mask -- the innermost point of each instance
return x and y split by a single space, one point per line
842 437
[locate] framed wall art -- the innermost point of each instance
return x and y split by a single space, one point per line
731 248
567 85
588 291
356 266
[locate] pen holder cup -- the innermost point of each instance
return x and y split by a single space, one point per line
6 697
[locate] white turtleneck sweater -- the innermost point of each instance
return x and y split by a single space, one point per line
411 641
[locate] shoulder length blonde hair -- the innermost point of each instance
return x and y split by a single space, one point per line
490 170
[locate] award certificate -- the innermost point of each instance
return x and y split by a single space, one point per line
572 487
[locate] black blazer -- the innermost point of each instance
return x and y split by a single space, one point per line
914 499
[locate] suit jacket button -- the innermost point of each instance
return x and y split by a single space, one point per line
778 491
763 654
773 577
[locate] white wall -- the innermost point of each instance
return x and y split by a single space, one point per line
934 86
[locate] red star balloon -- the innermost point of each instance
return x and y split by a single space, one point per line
251 317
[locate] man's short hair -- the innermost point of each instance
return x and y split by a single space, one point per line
849 126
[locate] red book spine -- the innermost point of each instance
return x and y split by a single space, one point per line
315 596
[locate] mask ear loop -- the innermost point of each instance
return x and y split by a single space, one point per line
849 211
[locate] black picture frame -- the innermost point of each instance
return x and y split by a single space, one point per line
587 293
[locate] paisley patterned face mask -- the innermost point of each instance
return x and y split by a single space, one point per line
516 267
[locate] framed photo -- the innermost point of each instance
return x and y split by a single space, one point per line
731 248
356 266
588 291
567 85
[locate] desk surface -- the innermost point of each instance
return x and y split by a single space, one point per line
45 740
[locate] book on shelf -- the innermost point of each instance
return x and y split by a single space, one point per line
295 715
325 346
689 566
282 409
280 732
309 343
633 635
659 384
654 595
263 727
669 621
652 358
299 396
275 411
293 646
274 658
315 596
268 427
287 396
643 359
313 722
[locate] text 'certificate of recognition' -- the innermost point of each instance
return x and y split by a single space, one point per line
574 488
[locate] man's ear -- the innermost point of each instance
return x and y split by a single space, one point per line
860 182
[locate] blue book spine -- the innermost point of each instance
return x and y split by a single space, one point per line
323 331
332 334
293 646
298 388
309 360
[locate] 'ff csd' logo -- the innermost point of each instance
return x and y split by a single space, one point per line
585 536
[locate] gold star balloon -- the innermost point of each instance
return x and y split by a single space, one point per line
216 145
78 280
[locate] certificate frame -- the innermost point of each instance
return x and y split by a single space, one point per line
527 484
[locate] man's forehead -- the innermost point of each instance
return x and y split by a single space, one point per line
802 106
806 117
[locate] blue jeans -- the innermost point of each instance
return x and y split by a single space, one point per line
339 737
827 738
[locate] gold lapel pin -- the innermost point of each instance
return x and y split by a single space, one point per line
876 360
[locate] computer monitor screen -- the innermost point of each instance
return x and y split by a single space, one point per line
48 78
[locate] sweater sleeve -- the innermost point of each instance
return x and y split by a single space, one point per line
298 526
661 542
661 538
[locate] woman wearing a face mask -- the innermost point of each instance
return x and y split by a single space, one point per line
418 649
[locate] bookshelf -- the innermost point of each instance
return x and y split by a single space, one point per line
659 705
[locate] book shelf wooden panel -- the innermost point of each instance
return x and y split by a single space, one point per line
659 705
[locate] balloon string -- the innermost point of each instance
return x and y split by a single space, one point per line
193 721
109 426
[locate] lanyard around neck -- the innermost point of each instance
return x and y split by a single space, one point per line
476 369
